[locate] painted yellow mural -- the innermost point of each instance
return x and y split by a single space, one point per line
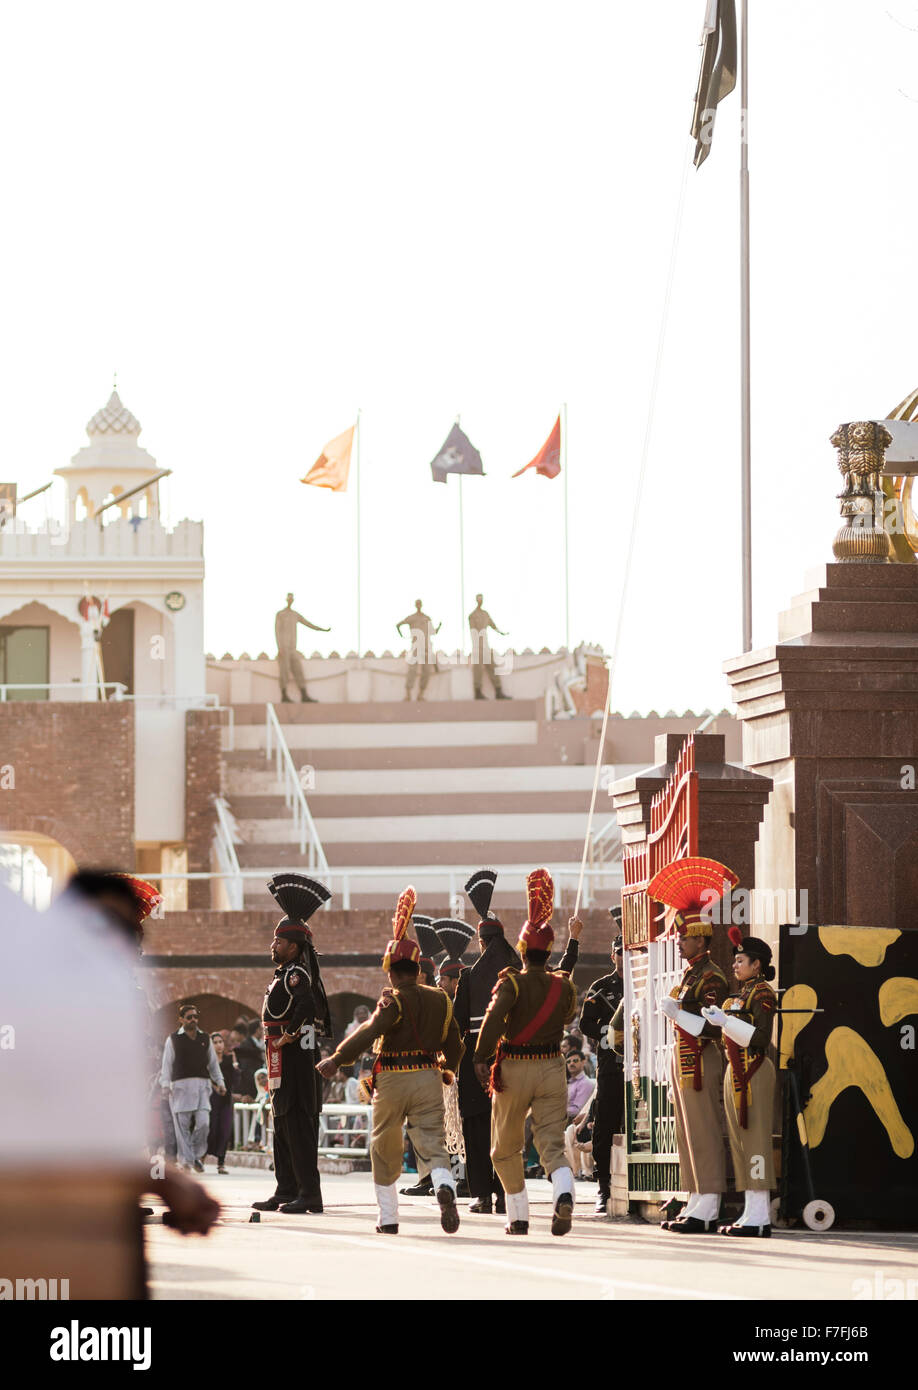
792 1024
866 945
852 1062
898 998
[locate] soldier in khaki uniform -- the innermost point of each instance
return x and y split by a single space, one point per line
411 1029
289 659
522 1032
746 1021
422 659
696 1077
482 657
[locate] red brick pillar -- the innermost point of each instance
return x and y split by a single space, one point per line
203 782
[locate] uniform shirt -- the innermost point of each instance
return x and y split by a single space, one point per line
755 1003
285 628
422 635
289 998
599 1007
703 984
517 999
416 1019
479 619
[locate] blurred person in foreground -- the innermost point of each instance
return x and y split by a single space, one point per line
76 1204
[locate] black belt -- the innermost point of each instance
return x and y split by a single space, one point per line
531 1051
406 1061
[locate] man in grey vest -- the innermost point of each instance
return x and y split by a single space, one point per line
189 1067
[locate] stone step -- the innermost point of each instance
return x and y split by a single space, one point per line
419 829
432 734
407 712
270 810
446 756
258 782
383 854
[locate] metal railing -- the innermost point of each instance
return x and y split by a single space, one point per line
294 796
225 851
347 1132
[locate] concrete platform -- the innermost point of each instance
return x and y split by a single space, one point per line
339 1256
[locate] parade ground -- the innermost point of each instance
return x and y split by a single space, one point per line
338 1255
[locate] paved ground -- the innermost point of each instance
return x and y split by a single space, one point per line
338 1255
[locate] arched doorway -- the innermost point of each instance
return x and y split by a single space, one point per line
215 1013
33 865
342 1008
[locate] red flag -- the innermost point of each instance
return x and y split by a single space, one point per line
548 460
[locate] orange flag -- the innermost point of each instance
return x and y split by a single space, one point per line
333 464
548 460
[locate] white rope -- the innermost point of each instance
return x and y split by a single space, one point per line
645 454
455 1142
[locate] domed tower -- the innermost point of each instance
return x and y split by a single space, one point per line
111 463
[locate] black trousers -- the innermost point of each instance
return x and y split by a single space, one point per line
296 1155
608 1114
479 1171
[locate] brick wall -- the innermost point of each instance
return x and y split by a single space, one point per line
73 768
203 782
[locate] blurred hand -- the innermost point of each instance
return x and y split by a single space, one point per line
574 927
669 1007
192 1209
483 1074
327 1068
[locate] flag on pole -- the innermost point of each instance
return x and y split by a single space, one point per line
548 460
457 455
717 77
333 464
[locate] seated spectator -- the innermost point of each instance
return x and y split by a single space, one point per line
579 1086
361 1014
250 1055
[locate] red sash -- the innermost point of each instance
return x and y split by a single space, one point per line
532 1027
274 1055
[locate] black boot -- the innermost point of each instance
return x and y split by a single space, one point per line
300 1205
563 1213
387 1230
449 1212
601 1199
285 699
305 698
500 1204
480 1207
517 1228
424 1188
272 1203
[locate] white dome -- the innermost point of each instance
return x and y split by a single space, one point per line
113 418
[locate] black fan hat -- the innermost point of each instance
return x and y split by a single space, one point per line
480 890
298 897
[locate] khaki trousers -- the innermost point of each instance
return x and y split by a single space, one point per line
542 1087
699 1126
751 1148
415 1097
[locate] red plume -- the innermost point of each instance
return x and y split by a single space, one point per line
736 936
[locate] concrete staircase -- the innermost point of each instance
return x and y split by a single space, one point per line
423 793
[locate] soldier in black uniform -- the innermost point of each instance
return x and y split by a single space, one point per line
473 995
608 1108
295 1014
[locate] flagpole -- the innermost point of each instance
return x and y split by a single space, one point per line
746 480
357 442
461 573
567 588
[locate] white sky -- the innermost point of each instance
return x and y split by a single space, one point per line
266 216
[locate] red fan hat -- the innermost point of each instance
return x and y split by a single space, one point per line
146 897
692 886
401 947
540 894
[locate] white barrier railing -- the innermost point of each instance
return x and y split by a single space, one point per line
225 851
356 1122
247 1116
294 796
119 690
344 1130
